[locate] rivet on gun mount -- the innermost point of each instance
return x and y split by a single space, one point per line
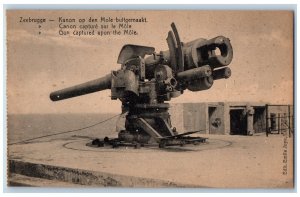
147 79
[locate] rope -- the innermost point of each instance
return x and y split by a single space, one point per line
69 131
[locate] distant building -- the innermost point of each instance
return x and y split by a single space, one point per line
235 118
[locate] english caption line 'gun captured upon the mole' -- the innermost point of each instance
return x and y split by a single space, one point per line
147 79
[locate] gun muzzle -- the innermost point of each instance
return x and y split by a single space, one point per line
223 73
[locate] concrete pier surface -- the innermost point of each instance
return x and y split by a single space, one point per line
223 162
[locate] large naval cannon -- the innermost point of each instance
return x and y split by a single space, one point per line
147 79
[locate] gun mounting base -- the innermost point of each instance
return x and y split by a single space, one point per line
178 140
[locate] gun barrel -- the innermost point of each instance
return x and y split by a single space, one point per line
201 84
102 83
196 73
222 73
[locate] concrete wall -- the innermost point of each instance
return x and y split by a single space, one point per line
176 112
189 117
214 118
278 109
194 117
226 119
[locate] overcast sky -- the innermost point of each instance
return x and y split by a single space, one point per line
262 66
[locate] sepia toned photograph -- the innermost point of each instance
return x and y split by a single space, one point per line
150 99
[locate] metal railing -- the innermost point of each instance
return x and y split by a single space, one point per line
279 120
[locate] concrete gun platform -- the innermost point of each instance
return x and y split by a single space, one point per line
223 162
